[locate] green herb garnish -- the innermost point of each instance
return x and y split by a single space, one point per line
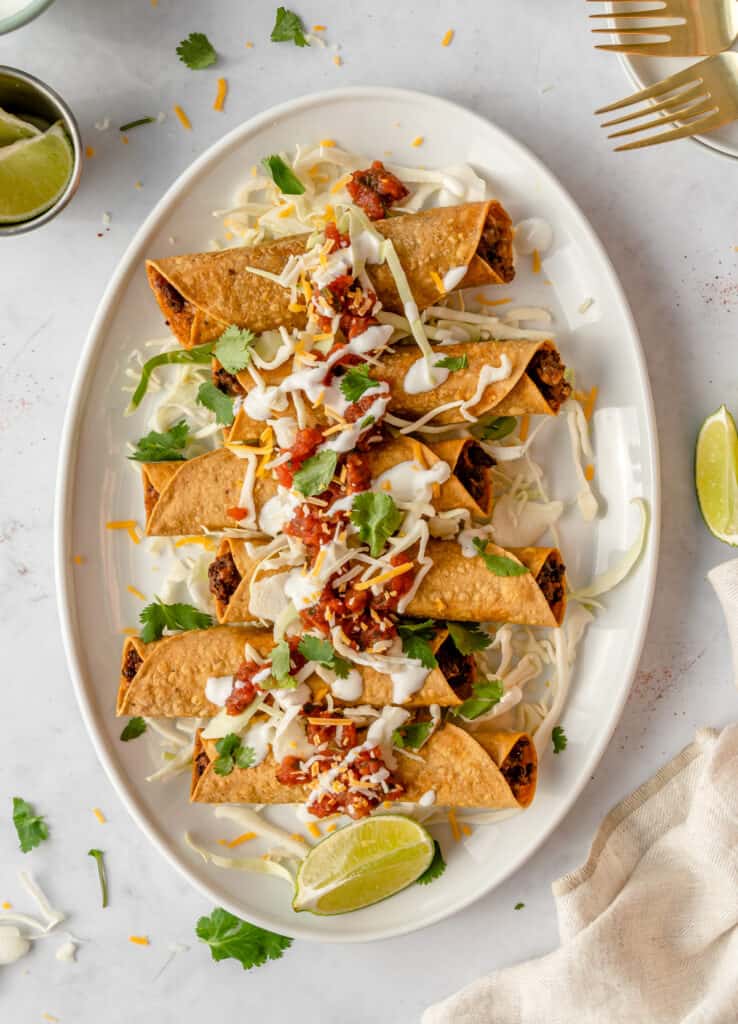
453 363
234 349
98 855
232 755
377 518
321 651
413 736
436 867
134 728
495 429
559 739
468 639
417 638
199 354
156 617
164 446
288 28
196 51
283 176
31 827
499 565
136 124
218 402
315 473
519 906
485 695
355 382
280 659
230 937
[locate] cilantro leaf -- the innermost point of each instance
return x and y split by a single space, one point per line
283 176
315 473
196 51
314 649
468 639
31 827
133 728
485 695
230 937
499 565
280 658
233 349
453 363
436 867
165 446
156 617
496 428
412 736
136 124
245 757
559 739
200 354
377 518
288 27
417 638
214 399
519 906
98 855
232 755
366 422
355 382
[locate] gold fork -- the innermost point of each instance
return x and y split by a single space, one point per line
707 27
700 98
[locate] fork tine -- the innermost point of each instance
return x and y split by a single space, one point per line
652 30
676 133
686 77
708 107
656 12
647 49
668 104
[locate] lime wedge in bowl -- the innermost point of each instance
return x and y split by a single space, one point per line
12 128
362 864
33 174
716 475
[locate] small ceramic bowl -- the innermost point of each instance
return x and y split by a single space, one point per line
20 18
21 93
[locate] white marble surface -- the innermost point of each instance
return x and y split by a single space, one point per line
668 219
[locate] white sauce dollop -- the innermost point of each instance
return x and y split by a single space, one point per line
218 689
423 377
13 945
453 278
408 482
533 233
489 375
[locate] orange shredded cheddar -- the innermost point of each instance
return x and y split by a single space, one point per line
228 236
491 302
417 141
138 184
524 426
124 139
133 535
337 61
332 827
390 574
298 837
129 631
329 212
99 815
326 336
79 559
120 524
206 542
455 830
341 183
154 3
466 830
136 592
589 472
589 403
436 279
89 152
183 118
221 94
49 1017
328 143
249 45
244 838
296 307
446 41
139 940
287 210
314 830
7 906
536 261
319 28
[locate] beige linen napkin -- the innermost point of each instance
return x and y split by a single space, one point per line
649 925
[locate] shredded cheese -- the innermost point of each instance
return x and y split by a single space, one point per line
340 184
221 94
99 815
79 559
296 307
524 426
436 279
6 905
89 152
491 302
136 592
128 631
183 118
120 524
287 211
383 577
328 143
589 472
299 838
466 830
417 141
206 542
138 940
244 838
314 830
446 41
536 261
337 61
455 830
321 28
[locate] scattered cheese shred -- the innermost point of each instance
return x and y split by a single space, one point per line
326 721
99 815
231 843
79 559
466 830
287 210
299 838
446 41
120 524
328 143
455 830
337 61
49 1017
206 542
249 45
7 906
418 141
524 427
221 94
319 562
332 827
483 301
589 472
314 830
536 261
587 401
124 139
296 307
133 535
436 279
128 631
183 118
383 577
136 592
340 184
325 336
139 940
89 152
319 28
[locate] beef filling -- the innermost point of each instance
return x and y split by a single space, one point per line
227 382
224 577
151 495
495 249
517 770
547 371
172 298
132 663
471 469
201 762
551 580
459 669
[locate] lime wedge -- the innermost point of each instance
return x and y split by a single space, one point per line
12 128
716 475
33 174
362 864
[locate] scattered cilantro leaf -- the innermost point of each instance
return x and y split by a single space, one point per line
219 403
485 695
519 906
280 658
245 757
315 473
164 446
31 827
453 363
468 639
355 382
559 739
413 736
136 124
196 51
156 617
233 349
499 565
199 354
417 638
230 937
288 27
98 855
283 176
232 754
436 867
133 728
314 649
496 428
377 518
366 422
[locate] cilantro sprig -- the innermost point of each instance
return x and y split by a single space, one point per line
283 176
231 938
216 401
288 28
136 124
436 867
234 348
233 754
101 874
133 728
321 651
499 565
417 638
377 518
453 363
31 827
496 428
412 737
485 694
355 382
281 658
163 446
315 473
468 639
197 52
558 737
199 355
157 616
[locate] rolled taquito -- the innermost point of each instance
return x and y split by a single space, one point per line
203 293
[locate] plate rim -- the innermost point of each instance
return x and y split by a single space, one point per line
69 457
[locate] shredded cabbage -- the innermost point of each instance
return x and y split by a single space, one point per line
611 577
257 865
